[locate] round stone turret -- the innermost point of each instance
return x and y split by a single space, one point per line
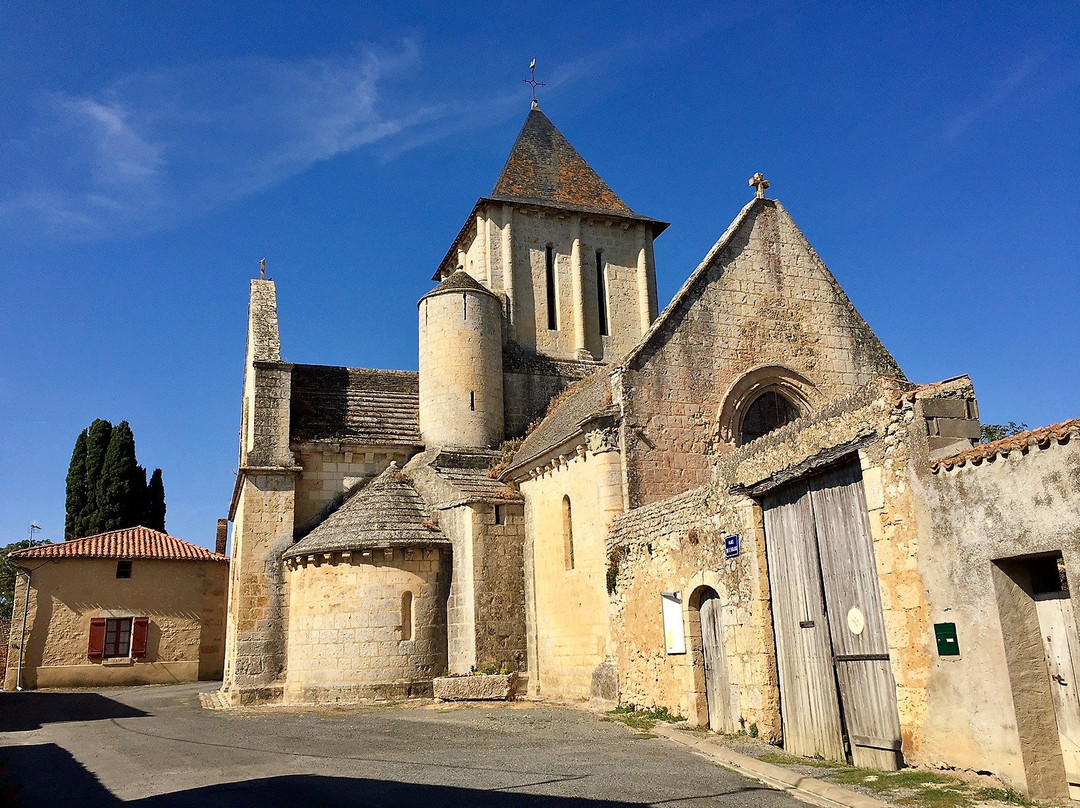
461 381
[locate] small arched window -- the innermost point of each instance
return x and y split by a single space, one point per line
767 412
568 533
406 615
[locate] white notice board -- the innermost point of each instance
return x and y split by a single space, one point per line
674 636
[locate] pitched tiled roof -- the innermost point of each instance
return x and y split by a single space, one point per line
131 542
378 407
387 512
448 478
591 396
1022 441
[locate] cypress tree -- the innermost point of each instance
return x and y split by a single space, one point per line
120 490
155 502
139 503
75 499
97 445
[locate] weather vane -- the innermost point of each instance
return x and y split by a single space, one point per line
532 82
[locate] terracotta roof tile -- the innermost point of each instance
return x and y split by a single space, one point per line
131 542
1022 441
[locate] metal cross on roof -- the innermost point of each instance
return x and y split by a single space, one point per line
759 182
532 82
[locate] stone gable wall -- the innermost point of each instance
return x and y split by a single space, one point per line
766 299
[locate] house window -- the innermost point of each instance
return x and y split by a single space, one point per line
123 569
568 533
601 294
407 615
549 274
767 412
118 637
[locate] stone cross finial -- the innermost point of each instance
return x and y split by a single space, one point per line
262 269
759 182
532 82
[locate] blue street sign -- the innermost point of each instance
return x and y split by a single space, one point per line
731 546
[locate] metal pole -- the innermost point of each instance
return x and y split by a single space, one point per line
26 610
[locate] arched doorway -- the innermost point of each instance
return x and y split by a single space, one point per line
717 685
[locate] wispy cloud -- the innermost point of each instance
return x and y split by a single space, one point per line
150 146
1000 93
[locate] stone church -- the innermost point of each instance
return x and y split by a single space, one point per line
737 508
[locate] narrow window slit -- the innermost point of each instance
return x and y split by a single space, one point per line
601 294
552 312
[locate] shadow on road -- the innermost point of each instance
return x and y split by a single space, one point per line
20 712
46 774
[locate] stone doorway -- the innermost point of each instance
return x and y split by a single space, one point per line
706 601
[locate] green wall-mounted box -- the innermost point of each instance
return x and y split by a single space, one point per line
945 633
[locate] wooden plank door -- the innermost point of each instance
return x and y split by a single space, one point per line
717 686
1062 647
856 619
808 701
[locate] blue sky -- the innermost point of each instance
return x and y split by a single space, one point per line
151 154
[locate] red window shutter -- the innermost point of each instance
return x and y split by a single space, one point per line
138 636
96 650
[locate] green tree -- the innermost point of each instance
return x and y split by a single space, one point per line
992 432
8 574
121 489
97 445
75 504
155 502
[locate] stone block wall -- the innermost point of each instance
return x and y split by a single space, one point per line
329 470
257 621
568 605
508 254
762 298
5 637
499 585
348 638
461 382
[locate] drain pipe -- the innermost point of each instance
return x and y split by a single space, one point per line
26 610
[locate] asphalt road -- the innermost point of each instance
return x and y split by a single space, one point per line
154 747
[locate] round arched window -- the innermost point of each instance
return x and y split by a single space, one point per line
767 412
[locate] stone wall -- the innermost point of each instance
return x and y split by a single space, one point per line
991 708
184 601
348 638
499 586
5 638
461 383
761 299
568 605
330 470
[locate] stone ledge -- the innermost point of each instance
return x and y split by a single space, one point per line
484 687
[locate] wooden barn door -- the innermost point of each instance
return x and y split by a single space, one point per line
1062 655
856 620
717 690
808 702
828 622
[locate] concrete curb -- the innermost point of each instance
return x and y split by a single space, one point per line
807 789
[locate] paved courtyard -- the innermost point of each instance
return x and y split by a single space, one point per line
155 747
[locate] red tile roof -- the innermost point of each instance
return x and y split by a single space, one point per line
1022 441
131 542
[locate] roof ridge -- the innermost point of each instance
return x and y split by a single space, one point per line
129 542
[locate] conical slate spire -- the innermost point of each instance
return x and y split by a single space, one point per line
543 168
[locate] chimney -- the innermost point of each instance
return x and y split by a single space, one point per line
222 536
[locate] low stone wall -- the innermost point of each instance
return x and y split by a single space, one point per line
492 687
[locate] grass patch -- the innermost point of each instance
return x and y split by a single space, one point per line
781 759
1002 795
642 720
892 781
